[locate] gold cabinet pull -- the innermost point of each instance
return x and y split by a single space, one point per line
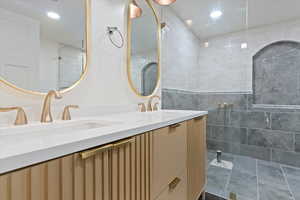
123 142
89 153
174 183
175 125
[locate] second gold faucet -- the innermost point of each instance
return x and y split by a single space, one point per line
46 116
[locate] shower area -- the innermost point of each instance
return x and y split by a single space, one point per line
248 78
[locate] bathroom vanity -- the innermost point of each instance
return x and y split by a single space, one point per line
154 155
144 156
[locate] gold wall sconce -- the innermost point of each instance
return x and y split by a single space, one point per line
164 2
136 11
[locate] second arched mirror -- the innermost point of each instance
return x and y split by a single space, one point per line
143 56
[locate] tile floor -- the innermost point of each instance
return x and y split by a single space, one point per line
253 179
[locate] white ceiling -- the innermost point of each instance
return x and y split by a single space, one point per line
69 29
237 14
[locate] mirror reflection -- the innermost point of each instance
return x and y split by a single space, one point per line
144 69
42 43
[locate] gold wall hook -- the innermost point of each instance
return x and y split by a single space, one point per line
21 118
46 116
66 114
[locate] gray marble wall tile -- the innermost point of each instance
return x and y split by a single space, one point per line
228 134
286 121
179 100
286 157
218 145
271 139
275 74
239 101
255 152
218 117
248 119
297 143
206 101
168 100
223 146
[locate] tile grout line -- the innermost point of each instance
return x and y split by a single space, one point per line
286 181
257 182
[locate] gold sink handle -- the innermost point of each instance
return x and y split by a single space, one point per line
21 118
149 107
66 114
155 107
108 147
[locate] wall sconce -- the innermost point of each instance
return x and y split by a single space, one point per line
135 10
164 2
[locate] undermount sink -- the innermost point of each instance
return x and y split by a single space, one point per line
60 127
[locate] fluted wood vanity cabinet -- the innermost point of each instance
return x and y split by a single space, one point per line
163 164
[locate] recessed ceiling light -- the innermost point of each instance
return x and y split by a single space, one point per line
244 45
53 15
189 22
216 14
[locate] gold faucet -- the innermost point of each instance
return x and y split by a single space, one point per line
21 118
46 112
155 107
66 114
142 107
150 108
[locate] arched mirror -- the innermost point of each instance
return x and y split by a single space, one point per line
143 64
43 44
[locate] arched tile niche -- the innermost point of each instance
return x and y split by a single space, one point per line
276 74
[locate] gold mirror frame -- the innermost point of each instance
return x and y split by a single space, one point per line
129 29
86 58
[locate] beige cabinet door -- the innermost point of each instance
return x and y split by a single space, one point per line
169 155
196 157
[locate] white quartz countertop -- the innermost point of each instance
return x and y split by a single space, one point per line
26 146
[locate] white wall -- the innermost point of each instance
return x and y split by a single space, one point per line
225 67
180 54
106 81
